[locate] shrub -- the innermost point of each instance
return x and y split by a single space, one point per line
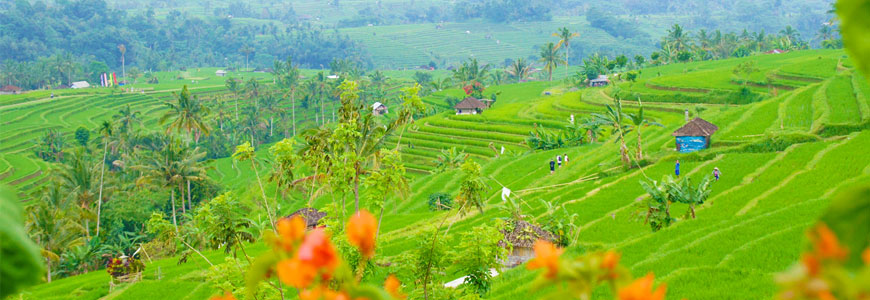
124 266
440 201
829 130
777 143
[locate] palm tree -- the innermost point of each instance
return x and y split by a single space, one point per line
389 178
252 123
676 38
639 120
78 180
271 106
126 118
189 169
792 34
50 226
550 58
412 104
106 131
520 69
593 129
247 50
290 80
449 159
123 50
163 167
471 71
565 37
187 114
253 89
615 119
233 86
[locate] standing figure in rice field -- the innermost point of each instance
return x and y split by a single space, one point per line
566 159
559 160
552 166
677 168
716 173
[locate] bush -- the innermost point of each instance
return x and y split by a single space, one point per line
829 130
440 201
777 143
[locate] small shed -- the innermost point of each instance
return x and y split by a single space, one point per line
695 135
523 236
310 215
600 81
80 85
379 109
470 106
10 89
220 73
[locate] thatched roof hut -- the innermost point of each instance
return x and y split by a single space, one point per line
470 106
695 135
523 237
310 215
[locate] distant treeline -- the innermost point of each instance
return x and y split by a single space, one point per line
90 31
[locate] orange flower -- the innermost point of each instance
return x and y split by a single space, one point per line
361 230
317 251
642 289
609 263
321 292
392 285
295 273
291 231
826 243
811 262
226 296
866 256
546 256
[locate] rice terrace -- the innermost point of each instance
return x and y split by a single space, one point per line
434 149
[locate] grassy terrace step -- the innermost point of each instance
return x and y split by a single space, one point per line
478 126
798 110
510 138
841 101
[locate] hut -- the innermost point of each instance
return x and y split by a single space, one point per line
310 215
600 81
522 237
80 85
379 109
470 106
694 136
10 89
220 73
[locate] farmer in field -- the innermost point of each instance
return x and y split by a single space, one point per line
552 166
566 159
677 168
716 173
559 160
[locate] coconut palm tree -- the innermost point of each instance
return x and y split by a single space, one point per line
51 225
123 50
565 37
520 69
639 120
187 114
614 118
77 179
247 50
289 79
412 104
550 58
126 117
470 71
233 86
163 168
388 178
106 131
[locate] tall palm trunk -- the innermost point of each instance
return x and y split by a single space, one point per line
48 270
181 190
263 192
356 193
189 203
567 50
380 218
174 220
102 172
271 126
639 145
293 108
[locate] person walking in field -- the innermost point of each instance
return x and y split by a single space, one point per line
716 173
566 159
552 166
677 168
559 160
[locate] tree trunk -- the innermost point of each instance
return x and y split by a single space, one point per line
263 192
380 218
123 68
181 190
639 145
174 221
293 108
48 269
189 203
271 126
356 193
567 50
100 197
